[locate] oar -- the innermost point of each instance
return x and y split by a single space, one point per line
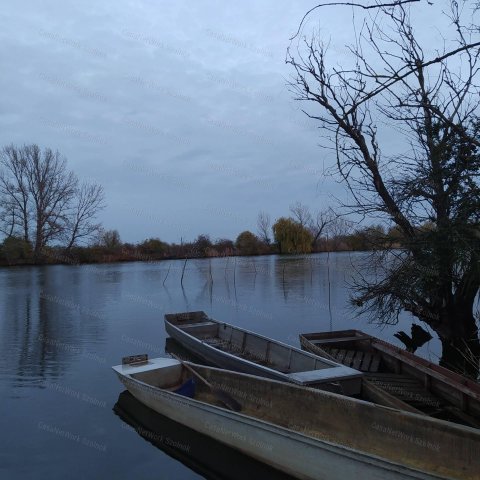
222 396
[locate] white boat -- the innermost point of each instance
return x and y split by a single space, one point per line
307 433
234 348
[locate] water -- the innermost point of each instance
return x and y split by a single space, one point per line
63 327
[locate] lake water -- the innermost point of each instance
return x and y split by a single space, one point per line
63 327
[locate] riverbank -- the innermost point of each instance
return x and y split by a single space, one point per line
98 255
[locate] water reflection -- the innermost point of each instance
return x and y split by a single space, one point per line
200 453
47 321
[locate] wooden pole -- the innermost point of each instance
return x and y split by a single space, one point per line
183 271
168 271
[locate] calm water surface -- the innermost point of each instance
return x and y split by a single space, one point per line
63 327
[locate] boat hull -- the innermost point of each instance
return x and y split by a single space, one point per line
307 433
311 460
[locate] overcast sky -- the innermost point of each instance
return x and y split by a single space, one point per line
179 109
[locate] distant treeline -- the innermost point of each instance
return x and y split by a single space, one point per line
109 248
47 214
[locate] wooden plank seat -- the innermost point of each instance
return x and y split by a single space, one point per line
357 359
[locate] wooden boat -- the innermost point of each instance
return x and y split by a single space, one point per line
397 378
234 348
207 457
304 432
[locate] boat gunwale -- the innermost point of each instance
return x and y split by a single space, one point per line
330 363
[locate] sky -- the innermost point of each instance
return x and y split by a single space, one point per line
180 110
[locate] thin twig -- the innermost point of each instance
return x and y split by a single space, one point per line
183 271
351 4
166 276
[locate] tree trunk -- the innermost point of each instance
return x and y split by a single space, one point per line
461 347
38 250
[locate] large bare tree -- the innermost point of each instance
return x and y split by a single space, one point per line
41 201
395 85
52 187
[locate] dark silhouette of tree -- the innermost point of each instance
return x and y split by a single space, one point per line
264 227
80 221
14 193
52 188
224 247
320 224
153 246
391 81
202 245
110 240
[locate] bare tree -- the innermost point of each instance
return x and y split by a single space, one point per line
41 200
301 213
85 205
264 225
52 188
434 105
8 219
14 192
317 223
323 219
337 229
109 239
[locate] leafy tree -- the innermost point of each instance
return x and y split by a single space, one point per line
153 246
248 243
202 245
224 246
14 249
292 237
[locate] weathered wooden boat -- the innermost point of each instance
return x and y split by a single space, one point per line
305 432
199 452
397 378
233 348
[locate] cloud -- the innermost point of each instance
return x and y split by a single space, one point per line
148 98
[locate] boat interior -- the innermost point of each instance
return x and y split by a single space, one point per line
408 378
419 440
246 345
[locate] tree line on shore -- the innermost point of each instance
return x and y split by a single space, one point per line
289 237
47 216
